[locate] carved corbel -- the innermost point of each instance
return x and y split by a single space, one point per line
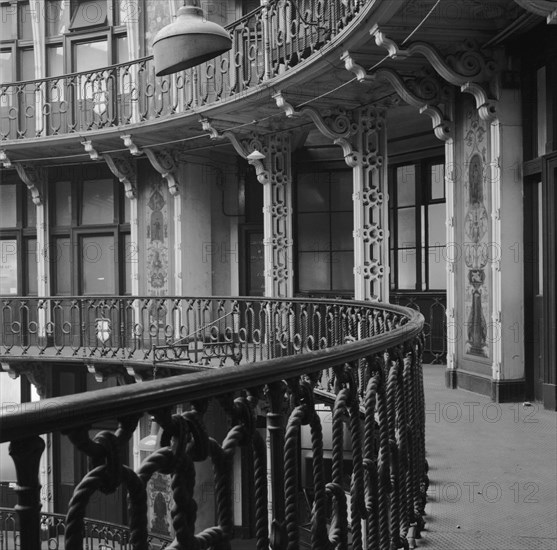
243 147
34 178
6 162
98 373
468 65
125 171
128 142
164 163
359 72
487 108
11 371
88 146
34 373
137 374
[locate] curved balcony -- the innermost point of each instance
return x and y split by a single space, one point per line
267 44
360 360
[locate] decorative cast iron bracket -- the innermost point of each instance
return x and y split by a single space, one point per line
125 171
34 178
164 163
442 127
339 127
244 147
467 69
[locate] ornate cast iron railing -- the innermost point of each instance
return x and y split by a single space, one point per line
433 306
266 43
191 331
96 534
363 359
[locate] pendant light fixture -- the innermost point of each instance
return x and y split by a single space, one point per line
189 40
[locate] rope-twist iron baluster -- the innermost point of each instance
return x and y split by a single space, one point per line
402 443
319 538
295 420
370 460
394 523
357 502
412 483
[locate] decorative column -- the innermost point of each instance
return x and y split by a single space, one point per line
271 157
368 162
276 179
452 256
484 221
164 163
363 140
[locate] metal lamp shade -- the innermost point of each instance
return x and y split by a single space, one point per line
188 41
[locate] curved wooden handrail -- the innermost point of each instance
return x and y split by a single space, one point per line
75 410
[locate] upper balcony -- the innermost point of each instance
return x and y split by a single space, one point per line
270 45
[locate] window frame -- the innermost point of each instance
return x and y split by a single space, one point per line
22 233
328 169
422 202
118 228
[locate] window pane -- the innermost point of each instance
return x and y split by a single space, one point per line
27 68
437 268
31 218
31 259
59 253
63 203
6 69
313 271
407 227
341 190
90 55
437 181
407 269
25 20
8 266
55 61
97 264
341 231
342 268
122 53
406 185
313 192
313 232
436 224
8 211
57 17
97 202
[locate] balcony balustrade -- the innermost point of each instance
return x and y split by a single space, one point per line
266 43
283 361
